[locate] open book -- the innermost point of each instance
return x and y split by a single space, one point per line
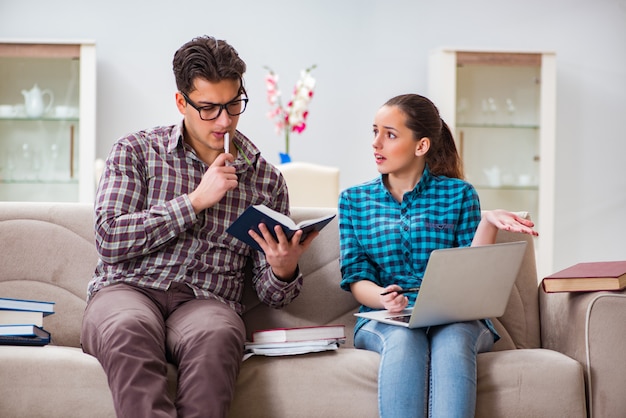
257 214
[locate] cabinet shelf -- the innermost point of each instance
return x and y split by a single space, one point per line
37 181
506 187
42 119
495 126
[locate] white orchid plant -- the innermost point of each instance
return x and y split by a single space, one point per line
291 117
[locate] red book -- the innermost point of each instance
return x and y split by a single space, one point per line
587 277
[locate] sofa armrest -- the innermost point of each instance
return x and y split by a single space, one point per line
589 327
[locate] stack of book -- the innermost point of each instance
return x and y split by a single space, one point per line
300 340
21 321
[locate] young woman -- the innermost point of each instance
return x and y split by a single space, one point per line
388 228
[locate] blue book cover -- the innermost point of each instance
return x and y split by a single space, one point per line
27 305
257 214
23 335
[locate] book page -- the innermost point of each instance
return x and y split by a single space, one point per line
308 222
280 217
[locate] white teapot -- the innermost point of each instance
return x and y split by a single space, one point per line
33 101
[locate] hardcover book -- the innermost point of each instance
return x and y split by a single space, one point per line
286 335
27 305
587 277
257 214
12 317
23 335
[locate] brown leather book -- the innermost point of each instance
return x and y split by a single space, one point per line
588 277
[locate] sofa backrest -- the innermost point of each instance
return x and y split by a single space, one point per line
47 253
519 327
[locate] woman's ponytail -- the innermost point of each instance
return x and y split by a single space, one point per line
443 158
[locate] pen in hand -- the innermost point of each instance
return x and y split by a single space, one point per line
401 291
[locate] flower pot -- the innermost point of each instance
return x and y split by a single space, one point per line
284 158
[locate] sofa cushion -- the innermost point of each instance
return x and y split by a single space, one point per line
508 379
309 385
52 381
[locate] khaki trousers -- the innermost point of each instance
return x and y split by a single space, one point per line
134 332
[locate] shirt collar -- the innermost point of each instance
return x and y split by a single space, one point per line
419 187
248 153
424 181
176 138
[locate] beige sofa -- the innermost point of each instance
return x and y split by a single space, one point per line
47 253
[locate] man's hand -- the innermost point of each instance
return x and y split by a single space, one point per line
216 181
282 254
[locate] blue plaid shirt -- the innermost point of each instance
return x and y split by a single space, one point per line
389 242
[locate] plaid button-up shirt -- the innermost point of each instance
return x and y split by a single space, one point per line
147 233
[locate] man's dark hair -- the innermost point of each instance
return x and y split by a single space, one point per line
208 58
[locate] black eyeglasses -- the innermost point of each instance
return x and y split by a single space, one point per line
212 111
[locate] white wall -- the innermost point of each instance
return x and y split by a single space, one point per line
368 51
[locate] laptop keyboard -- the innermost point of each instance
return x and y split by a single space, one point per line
401 318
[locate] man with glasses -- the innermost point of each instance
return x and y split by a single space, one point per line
169 282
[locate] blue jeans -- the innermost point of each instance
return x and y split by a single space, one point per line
426 371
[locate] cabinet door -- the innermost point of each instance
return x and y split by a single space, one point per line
500 106
497 126
47 121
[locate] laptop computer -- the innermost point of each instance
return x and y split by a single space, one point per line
461 284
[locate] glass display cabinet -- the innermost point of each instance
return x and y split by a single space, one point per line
47 121
501 107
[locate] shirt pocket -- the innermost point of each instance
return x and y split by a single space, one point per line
440 233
